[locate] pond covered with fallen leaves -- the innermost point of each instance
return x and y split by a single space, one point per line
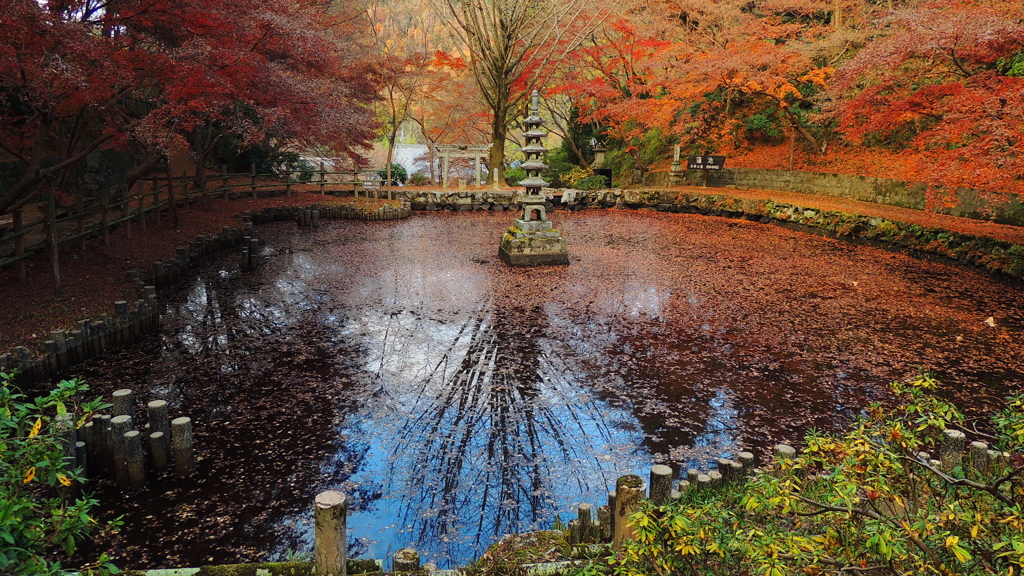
456 400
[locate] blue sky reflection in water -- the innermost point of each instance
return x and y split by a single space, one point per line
455 399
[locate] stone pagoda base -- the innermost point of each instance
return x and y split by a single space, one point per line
533 243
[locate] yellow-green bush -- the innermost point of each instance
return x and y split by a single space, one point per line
863 502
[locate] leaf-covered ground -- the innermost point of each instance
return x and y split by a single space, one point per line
457 399
94 278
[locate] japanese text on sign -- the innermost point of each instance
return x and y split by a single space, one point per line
705 162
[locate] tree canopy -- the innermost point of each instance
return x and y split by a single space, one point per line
159 77
939 83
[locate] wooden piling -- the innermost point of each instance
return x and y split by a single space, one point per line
181 446
254 253
611 518
108 442
159 419
123 403
159 450
92 434
684 488
119 426
951 452
159 422
661 484
82 458
736 471
785 452
604 523
629 492
134 465
406 560
67 435
330 511
747 460
585 517
979 458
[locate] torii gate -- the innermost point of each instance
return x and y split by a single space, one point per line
449 151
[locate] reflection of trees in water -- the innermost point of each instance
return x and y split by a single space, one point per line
497 443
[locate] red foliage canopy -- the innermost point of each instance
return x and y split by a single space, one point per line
151 74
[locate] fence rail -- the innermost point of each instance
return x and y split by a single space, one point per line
95 216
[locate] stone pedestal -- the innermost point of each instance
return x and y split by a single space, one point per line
533 243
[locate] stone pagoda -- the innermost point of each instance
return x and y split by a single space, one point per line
532 239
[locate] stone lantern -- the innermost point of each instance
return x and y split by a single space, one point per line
532 239
599 152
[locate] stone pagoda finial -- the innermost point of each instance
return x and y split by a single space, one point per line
533 150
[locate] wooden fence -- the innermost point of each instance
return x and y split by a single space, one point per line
155 197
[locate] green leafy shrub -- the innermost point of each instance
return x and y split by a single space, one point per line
863 502
398 173
37 513
514 175
418 179
302 170
574 175
592 182
558 163
763 125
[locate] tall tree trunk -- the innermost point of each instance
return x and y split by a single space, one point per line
499 129
431 156
391 157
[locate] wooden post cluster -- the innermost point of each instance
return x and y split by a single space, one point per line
250 253
114 444
167 273
66 348
610 524
311 216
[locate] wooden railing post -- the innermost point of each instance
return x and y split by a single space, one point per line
252 175
224 184
155 204
105 215
51 238
126 210
80 221
19 244
172 202
288 180
142 209
186 191
201 183
323 178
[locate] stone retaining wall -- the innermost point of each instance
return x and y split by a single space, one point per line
966 202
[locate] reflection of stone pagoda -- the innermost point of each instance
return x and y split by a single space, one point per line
532 240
